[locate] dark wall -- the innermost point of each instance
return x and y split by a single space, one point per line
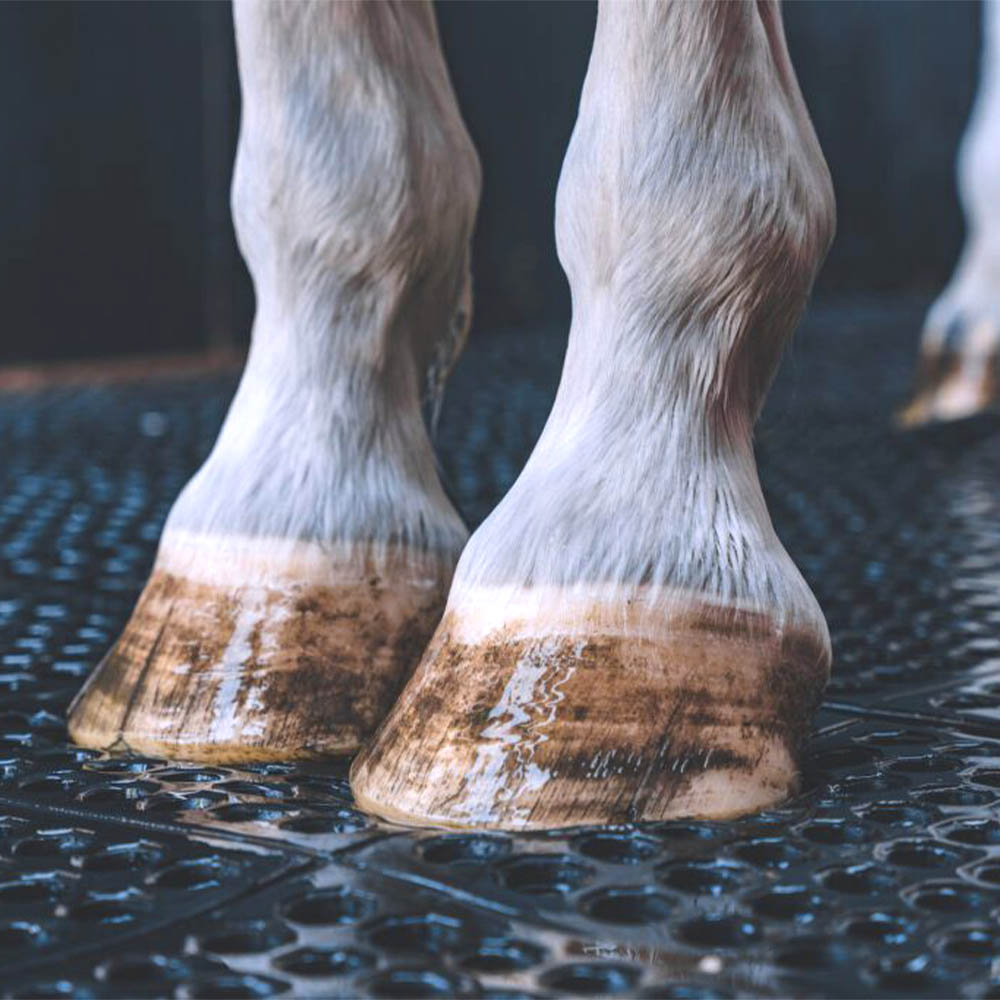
118 124
889 87
100 167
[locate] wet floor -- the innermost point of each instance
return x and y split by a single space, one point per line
133 877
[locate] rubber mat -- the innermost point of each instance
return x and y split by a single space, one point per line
135 877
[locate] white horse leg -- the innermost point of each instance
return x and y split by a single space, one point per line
957 373
303 568
625 637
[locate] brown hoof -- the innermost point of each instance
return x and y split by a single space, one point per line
950 385
256 650
601 719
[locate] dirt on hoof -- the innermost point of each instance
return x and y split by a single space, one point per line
228 673
951 385
706 719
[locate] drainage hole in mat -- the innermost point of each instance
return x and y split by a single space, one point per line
719 931
788 902
538 874
905 973
898 813
425 932
858 880
53 990
920 853
327 962
834 831
988 873
448 850
117 795
49 785
122 857
879 927
14 825
896 738
251 812
166 803
988 776
342 821
683 991
259 789
960 700
769 852
194 874
272 769
16 935
953 795
948 897
591 978
188 776
174 801
850 756
141 969
812 952
617 848
929 763
339 788
977 831
674 830
104 911
232 987
980 942
502 955
702 878
418 984
124 765
251 937
52 843
639 905
41 887
329 906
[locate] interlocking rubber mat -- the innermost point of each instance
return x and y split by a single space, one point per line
135 877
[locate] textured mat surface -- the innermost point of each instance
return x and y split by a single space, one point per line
133 877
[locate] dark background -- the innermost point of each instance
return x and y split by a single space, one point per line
118 125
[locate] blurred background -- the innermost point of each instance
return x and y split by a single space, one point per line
120 124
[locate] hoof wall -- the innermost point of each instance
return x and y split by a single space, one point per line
951 386
706 719
234 664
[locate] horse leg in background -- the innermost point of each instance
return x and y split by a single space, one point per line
957 372
625 637
303 568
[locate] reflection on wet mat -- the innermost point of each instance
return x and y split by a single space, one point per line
132 877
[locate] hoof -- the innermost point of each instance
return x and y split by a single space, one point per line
602 717
251 650
951 385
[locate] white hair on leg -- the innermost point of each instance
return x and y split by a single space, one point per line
957 373
625 636
304 566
